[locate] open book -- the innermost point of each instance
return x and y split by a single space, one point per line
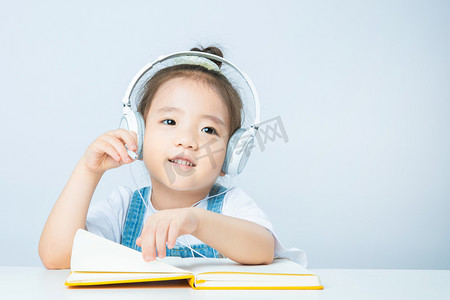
97 261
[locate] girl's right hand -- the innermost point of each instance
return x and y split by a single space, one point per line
108 151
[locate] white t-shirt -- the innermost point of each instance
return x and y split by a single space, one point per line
107 218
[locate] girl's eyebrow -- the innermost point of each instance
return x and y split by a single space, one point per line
169 109
214 119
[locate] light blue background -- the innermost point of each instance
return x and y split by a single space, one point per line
362 88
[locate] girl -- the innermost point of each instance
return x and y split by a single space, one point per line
190 111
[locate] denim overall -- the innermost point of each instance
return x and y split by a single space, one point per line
135 220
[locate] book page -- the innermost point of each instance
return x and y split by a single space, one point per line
87 278
204 265
92 253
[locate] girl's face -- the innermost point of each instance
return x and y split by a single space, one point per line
186 136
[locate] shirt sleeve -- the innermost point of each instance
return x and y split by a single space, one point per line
106 217
239 205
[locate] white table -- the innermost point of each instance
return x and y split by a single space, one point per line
39 283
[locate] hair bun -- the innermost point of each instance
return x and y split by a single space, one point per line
211 50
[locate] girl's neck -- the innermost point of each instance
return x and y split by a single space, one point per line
166 198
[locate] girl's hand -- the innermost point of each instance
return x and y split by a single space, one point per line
108 150
164 227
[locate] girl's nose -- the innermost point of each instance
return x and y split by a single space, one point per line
186 140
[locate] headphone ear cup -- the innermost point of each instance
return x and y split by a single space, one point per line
134 121
239 149
140 134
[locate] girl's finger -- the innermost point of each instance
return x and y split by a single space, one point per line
174 233
118 146
161 238
104 147
148 241
127 136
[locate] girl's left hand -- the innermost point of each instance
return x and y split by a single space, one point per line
165 227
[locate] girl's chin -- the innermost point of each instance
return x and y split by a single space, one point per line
182 178
183 184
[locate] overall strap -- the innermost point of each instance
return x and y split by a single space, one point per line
135 218
217 194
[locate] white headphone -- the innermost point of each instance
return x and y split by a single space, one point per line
241 142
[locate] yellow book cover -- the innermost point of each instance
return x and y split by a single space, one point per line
98 261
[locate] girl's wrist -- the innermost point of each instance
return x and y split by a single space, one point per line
86 170
199 214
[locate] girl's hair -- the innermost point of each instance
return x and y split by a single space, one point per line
212 78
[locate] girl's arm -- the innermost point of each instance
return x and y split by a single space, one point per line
70 210
240 240
68 214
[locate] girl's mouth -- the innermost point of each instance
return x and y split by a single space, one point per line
182 162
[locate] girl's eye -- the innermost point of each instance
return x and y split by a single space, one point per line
209 130
169 122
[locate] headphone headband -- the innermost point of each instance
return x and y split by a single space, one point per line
146 68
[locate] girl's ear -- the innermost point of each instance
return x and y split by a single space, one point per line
222 173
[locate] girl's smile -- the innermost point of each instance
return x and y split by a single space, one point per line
184 163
